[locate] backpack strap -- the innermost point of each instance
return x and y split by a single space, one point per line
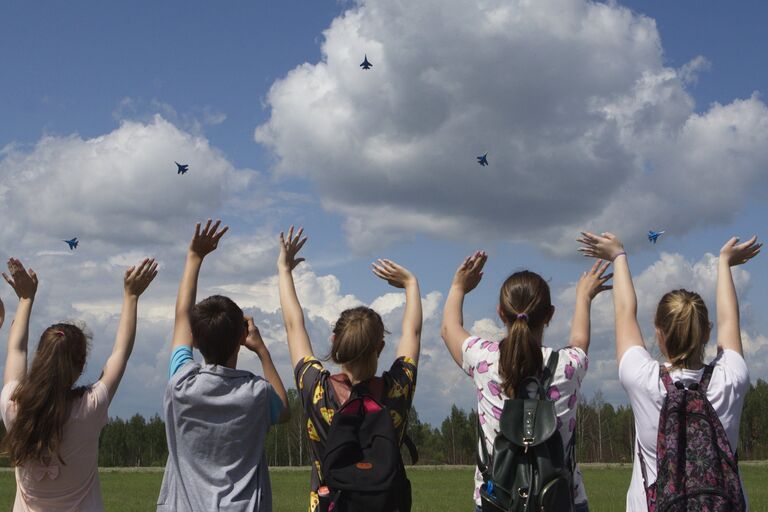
642 466
666 378
705 378
549 370
483 458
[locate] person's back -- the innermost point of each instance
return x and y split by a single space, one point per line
216 416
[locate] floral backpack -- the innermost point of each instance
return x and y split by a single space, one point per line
696 468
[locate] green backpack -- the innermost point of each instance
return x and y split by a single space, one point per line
528 470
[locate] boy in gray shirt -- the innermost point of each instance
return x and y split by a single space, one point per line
216 416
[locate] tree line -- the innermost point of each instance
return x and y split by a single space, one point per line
604 433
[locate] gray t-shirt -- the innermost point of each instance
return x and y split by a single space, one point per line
216 422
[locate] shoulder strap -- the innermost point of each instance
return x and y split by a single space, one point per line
550 369
666 378
705 378
412 451
483 459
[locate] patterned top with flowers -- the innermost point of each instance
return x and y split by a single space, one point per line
481 362
319 403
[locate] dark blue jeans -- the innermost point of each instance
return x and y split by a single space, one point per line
580 507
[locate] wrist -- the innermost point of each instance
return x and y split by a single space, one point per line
622 252
27 300
263 352
458 288
130 296
194 256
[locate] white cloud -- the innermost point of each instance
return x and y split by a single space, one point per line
584 125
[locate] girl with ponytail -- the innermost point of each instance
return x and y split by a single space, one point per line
53 427
682 331
497 367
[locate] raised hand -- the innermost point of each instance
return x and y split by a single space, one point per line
605 247
470 272
592 282
23 282
736 253
137 279
289 247
206 240
396 275
253 341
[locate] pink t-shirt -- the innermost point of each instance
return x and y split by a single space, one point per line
56 487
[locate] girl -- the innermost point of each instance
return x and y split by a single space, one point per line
357 342
53 428
497 367
682 331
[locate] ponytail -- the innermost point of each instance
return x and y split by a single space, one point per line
44 396
683 320
525 305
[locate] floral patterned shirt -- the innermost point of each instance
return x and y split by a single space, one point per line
319 402
481 362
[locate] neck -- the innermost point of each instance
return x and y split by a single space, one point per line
353 377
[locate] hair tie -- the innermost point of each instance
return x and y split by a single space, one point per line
522 316
58 333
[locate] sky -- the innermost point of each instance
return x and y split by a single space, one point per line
606 116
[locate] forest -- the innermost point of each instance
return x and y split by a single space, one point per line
604 434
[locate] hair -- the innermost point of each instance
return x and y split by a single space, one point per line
44 396
523 293
357 337
683 320
218 325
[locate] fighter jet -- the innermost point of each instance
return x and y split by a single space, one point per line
483 160
654 235
182 168
72 243
366 64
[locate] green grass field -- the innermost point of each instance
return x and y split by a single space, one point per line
444 489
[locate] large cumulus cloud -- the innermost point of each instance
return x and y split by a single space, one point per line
584 124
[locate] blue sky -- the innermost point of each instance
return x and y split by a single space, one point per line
267 104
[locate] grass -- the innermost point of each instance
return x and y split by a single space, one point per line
445 489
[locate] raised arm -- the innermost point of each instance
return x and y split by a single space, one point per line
728 326
467 277
203 242
293 316
255 343
608 247
401 277
2 313
24 283
136 281
592 282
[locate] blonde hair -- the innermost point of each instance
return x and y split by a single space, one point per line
683 320
357 336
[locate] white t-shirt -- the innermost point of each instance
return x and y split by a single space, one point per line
480 360
639 374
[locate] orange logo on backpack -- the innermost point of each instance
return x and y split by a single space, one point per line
364 465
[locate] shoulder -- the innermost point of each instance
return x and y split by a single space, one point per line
478 353
307 371
730 369
572 364
403 368
7 407
639 372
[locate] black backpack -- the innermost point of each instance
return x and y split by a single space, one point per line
528 470
362 468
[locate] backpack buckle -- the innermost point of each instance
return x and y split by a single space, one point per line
523 493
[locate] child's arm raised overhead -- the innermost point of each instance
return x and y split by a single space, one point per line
467 277
732 254
203 243
608 247
592 282
24 283
401 277
255 343
293 316
136 280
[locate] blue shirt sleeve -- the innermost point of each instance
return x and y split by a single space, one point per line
275 407
179 358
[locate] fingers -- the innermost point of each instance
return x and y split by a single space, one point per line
207 226
33 275
220 234
197 230
8 279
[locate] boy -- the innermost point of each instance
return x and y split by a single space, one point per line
216 416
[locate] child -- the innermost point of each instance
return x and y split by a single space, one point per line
682 331
53 429
357 342
216 416
498 367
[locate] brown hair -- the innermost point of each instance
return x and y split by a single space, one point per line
525 305
217 328
683 320
357 337
44 396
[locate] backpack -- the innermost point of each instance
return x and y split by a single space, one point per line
528 470
362 468
696 468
